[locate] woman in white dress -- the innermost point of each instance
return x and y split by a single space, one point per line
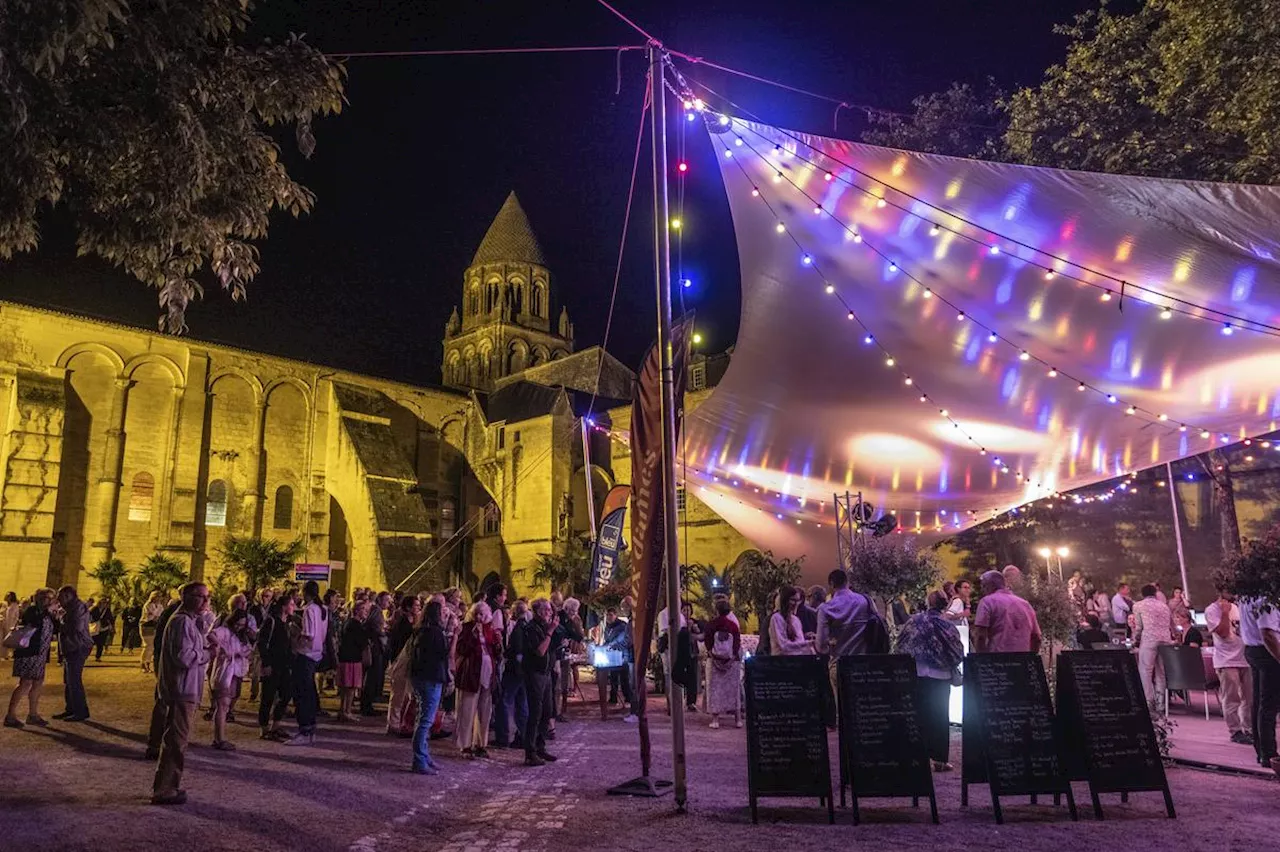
723 641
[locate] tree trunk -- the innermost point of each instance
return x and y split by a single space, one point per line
1224 500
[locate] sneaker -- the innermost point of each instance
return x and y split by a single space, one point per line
301 739
178 798
715 723
481 752
631 718
11 722
63 715
689 708
1242 738
75 719
534 760
42 723
425 770
224 745
468 752
547 756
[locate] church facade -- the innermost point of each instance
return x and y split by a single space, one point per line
117 442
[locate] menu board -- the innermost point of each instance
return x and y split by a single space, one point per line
1105 724
787 751
1010 739
882 745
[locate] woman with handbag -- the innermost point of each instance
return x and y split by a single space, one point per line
29 641
935 644
231 643
355 655
102 619
476 661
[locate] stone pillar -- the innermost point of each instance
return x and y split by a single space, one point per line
108 485
253 498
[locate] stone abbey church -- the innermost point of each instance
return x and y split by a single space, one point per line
120 442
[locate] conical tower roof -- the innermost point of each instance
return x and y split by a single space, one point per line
510 238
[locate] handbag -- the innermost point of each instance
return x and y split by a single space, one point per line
19 637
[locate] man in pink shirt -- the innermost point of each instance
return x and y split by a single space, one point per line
1004 623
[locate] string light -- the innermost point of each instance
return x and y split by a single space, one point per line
675 224
1191 309
683 167
1024 356
928 294
960 316
1228 329
807 260
780 228
831 288
1166 314
1053 372
889 360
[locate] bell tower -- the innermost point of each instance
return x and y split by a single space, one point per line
504 324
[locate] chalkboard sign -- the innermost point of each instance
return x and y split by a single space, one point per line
787 751
882 747
1010 740
1105 725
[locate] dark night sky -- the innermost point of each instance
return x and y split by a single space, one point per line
410 174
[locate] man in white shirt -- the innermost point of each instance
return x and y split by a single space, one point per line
1222 617
1260 632
1121 606
1153 627
308 648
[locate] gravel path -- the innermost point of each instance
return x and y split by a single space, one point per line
85 787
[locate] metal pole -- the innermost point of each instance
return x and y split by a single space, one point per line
586 472
1177 531
662 266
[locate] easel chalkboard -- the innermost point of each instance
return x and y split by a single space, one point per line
882 747
787 751
1010 740
1105 725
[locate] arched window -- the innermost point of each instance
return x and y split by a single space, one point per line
141 497
537 300
475 299
215 507
282 517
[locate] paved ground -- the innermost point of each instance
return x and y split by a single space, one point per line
83 787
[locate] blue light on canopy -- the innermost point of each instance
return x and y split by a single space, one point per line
803 383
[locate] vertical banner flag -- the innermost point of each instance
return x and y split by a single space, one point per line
648 529
604 556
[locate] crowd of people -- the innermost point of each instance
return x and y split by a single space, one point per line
488 674
498 673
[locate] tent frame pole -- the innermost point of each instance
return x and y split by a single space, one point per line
662 280
1177 530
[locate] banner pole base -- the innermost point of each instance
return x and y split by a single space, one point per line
643 787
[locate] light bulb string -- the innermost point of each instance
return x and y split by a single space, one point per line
1157 299
1153 416
890 360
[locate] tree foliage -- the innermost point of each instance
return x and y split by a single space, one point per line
113 577
258 563
961 121
1172 88
1255 571
756 578
568 573
149 123
702 582
160 573
889 566
1057 615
